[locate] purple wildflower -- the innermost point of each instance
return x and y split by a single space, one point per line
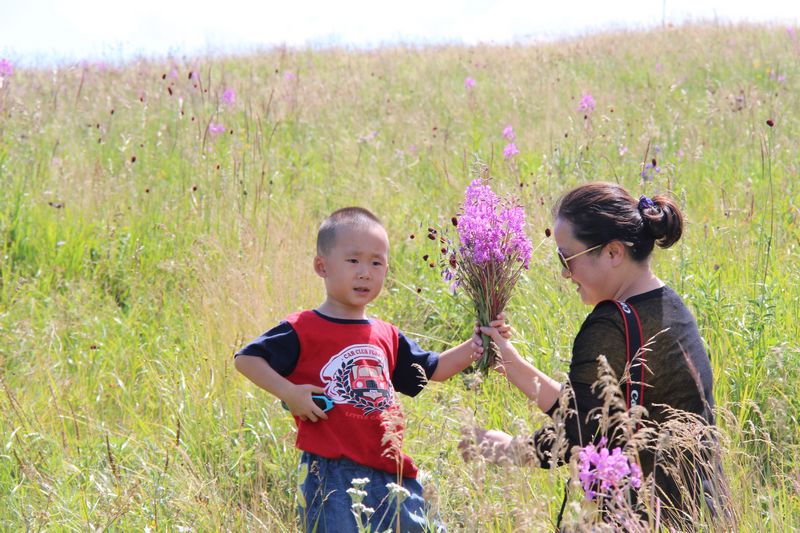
469 82
229 96
215 128
508 133
289 75
780 78
448 274
623 150
603 472
792 31
6 70
510 150
586 104
649 171
454 287
368 137
636 475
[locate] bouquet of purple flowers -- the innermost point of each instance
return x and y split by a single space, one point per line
493 250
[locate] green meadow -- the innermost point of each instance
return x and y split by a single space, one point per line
149 228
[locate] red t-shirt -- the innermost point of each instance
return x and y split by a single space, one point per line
360 363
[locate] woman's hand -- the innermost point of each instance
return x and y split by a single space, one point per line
503 330
500 333
501 326
496 447
489 443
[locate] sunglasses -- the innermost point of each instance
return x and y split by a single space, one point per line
565 260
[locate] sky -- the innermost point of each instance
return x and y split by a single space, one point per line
44 32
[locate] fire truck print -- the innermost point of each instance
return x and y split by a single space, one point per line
367 381
358 376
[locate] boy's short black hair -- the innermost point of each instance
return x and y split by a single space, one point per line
347 216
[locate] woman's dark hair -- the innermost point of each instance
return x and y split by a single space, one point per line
603 212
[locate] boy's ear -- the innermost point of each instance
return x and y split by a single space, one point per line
319 266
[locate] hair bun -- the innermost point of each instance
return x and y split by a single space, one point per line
662 219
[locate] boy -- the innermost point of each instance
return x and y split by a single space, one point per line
357 363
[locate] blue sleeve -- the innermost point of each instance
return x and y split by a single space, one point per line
280 347
412 363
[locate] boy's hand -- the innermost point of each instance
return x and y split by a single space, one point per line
298 398
477 343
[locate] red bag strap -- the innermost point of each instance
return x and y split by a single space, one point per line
634 390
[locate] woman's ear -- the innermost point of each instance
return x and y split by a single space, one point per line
616 252
319 266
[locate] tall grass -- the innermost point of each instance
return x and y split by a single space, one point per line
138 252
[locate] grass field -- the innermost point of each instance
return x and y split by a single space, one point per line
148 228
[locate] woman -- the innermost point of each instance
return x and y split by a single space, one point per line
605 239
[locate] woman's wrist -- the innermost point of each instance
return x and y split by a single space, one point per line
509 356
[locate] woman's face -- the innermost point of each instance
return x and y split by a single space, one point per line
591 271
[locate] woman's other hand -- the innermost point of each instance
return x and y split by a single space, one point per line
496 447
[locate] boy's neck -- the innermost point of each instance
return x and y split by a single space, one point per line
336 310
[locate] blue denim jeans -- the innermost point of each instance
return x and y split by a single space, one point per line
325 506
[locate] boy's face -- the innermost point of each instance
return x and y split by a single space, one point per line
354 268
